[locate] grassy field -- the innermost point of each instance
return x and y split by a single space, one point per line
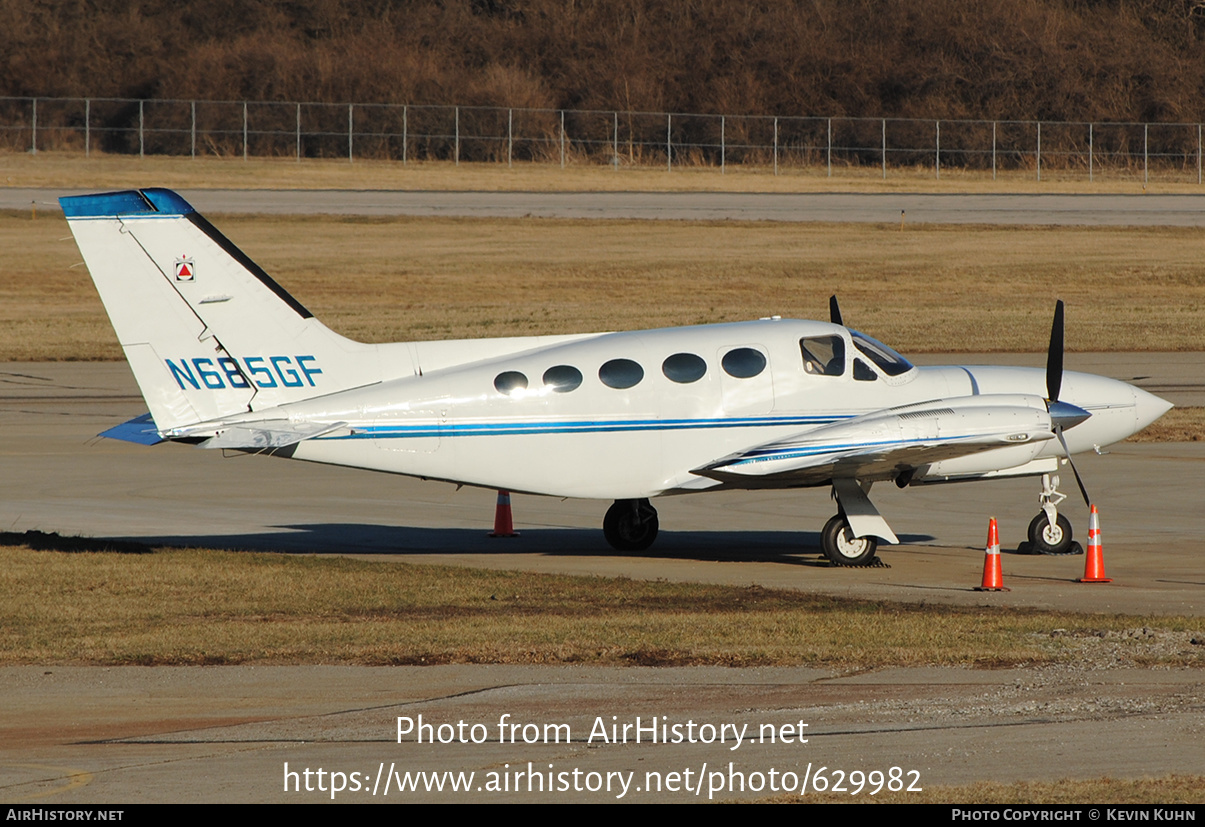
148 606
67 169
926 288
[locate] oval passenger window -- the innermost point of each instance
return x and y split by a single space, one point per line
743 362
510 382
684 368
562 378
620 373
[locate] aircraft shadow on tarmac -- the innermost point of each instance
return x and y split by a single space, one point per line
792 547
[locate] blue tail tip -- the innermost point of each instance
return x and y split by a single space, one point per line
155 201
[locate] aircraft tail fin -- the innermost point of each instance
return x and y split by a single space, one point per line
206 331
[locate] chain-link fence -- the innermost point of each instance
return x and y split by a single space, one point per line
509 135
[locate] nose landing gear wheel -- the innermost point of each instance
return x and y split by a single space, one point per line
630 525
842 548
1048 539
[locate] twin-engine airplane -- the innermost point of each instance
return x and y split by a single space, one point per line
227 359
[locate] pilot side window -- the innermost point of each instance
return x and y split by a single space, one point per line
620 374
864 372
562 378
888 361
823 355
684 368
743 362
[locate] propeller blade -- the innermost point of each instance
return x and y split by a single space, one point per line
834 311
1054 356
1059 433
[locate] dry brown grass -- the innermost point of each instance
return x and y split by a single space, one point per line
929 288
1177 425
204 606
100 171
1164 791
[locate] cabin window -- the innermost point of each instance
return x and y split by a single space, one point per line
510 382
684 368
743 362
620 374
562 378
823 355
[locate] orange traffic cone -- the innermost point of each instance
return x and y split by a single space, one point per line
1094 563
503 526
993 576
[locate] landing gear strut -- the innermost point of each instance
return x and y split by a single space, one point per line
842 548
1050 531
630 525
841 542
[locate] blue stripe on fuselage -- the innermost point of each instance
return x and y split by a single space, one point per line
460 429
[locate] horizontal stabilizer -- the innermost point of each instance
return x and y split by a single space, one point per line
140 429
247 437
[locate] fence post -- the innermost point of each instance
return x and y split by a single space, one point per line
87 127
937 160
350 157
722 145
244 130
884 149
1039 153
510 127
562 139
615 145
669 147
140 130
1145 155
405 130
192 133
299 133
34 136
830 147
1091 159
776 146
993 150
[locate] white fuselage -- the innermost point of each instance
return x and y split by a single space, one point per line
447 419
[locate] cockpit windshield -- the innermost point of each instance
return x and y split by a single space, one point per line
886 359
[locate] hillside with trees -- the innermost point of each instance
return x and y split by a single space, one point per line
1120 60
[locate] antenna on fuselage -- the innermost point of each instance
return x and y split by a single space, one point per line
834 311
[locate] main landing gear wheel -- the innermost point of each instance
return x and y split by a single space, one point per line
842 548
630 525
1048 539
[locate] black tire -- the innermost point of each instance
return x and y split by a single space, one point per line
842 548
630 525
1047 539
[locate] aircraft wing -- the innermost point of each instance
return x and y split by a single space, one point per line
885 444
